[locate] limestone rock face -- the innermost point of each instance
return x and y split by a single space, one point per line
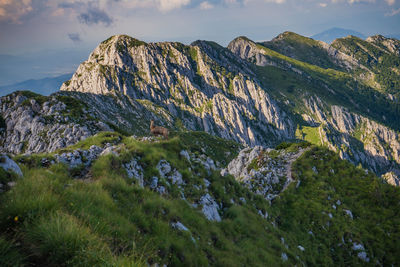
33 127
358 138
207 86
264 171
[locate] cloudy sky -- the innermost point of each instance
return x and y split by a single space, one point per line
34 26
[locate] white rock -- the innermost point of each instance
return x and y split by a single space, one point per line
363 256
185 154
301 248
9 165
154 182
134 170
210 208
109 150
349 213
178 225
284 256
163 168
358 246
176 178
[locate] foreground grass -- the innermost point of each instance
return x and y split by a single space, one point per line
50 219
110 221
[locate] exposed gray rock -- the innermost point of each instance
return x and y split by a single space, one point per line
361 254
79 157
264 175
349 213
284 256
210 208
9 165
176 178
185 154
163 168
135 170
109 150
33 127
154 182
178 225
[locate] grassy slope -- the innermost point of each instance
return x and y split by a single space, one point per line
49 218
374 205
302 48
53 219
385 65
343 89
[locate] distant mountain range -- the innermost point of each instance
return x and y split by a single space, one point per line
45 86
334 33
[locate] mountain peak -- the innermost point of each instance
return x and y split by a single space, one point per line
123 37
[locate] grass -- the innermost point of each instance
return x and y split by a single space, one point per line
302 48
373 203
309 134
50 218
9 254
111 221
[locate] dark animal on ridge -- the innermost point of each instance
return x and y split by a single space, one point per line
158 130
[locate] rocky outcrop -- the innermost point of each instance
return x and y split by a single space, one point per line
9 165
38 124
204 84
264 171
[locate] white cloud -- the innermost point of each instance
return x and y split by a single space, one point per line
275 1
361 1
13 10
167 5
206 5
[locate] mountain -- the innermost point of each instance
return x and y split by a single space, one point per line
334 33
285 152
255 95
45 86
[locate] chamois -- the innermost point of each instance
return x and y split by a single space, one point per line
158 130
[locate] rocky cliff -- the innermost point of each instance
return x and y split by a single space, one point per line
203 84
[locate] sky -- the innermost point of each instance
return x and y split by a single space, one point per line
44 30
